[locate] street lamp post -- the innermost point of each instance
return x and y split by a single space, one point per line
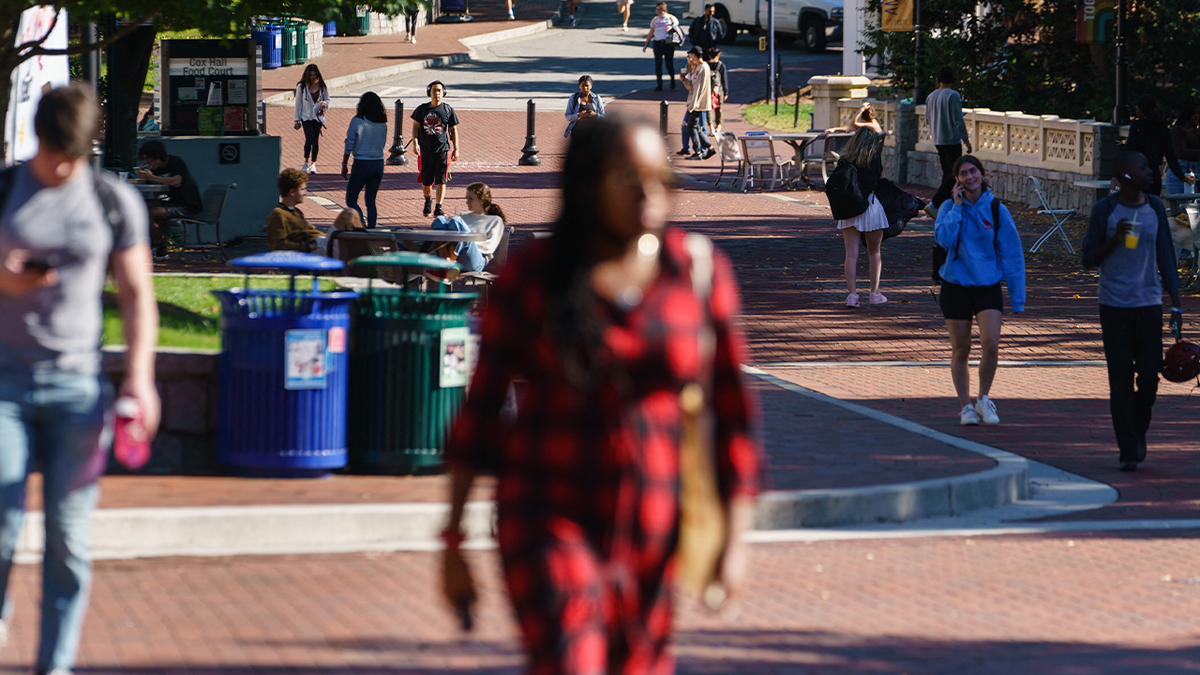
770 50
918 83
1121 110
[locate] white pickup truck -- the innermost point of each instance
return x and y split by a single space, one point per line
817 22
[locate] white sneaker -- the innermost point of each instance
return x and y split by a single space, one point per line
573 24
987 410
968 417
312 168
625 28
305 167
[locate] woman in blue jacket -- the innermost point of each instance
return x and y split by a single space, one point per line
982 252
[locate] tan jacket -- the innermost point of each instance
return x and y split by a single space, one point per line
698 81
287 230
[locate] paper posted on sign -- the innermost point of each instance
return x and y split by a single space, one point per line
33 78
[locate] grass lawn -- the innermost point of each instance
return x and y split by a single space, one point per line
763 115
189 315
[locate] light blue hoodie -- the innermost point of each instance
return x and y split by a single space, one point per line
977 257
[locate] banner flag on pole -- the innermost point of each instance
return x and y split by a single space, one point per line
1092 20
34 77
897 15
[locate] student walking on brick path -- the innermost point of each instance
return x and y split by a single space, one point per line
62 228
984 249
1129 239
608 323
698 80
944 115
1185 139
312 101
662 29
435 126
863 153
1148 134
366 140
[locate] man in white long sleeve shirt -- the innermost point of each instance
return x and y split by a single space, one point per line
943 113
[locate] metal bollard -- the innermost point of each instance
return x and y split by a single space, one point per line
398 155
662 118
529 152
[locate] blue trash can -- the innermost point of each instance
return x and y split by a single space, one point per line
273 46
330 29
284 372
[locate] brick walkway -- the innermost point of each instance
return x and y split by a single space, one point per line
1082 603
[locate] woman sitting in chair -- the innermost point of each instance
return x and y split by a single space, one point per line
483 215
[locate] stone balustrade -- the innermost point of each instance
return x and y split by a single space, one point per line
1011 145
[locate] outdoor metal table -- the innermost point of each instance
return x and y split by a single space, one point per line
1100 187
150 190
418 236
1175 201
799 141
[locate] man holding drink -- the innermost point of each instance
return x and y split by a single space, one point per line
1129 239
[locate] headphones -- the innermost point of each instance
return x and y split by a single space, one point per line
429 88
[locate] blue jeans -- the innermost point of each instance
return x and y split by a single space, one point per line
54 422
686 133
368 173
1173 184
469 257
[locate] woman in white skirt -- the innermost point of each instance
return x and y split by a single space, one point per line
863 151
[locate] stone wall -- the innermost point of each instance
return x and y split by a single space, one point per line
382 24
187 437
1012 146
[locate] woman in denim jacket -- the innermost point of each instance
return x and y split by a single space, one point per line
584 105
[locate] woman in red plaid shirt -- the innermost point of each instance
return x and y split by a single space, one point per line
601 322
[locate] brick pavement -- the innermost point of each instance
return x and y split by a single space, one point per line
1057 415
1078 603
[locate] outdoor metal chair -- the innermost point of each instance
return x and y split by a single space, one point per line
491 271
213 199
760 154
1059 216
731 151
832 151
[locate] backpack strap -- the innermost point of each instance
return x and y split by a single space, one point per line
995 222
111 204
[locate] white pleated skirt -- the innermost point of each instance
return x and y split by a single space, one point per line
870 220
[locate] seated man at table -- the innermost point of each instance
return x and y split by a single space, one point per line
182 200
287 230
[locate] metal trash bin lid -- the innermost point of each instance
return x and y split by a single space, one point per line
407 259
288 260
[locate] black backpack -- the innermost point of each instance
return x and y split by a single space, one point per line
940 253
846 199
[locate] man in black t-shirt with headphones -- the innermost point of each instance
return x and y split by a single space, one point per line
435 126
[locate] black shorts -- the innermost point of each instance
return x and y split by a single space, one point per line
435 168
174 212
964 302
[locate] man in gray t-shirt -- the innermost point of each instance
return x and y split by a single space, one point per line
1129 239
944 116
57 241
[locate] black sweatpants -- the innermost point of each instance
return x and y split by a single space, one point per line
312 138
947 154
664 51
1133 350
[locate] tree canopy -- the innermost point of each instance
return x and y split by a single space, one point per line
1021 55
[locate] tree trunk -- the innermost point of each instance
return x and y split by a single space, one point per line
128 62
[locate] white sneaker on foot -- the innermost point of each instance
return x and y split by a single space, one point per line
305 167
877 298
413 39
987 410
312 168
625 28
968 417
572 22
852 300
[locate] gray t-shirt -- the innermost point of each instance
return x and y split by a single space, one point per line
944 115
59 326
1129 276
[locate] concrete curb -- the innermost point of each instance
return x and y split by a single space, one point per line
341 528
439 62
1003 484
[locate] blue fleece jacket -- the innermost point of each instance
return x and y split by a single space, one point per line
978 257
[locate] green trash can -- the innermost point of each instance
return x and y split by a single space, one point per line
301 42
364 21
289 43
408 370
